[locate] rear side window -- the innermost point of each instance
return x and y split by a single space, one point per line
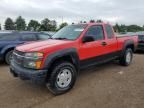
109 32
29 37
8 36
96 32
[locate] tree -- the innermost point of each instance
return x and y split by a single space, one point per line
99 21
143 28
116 27
20 23
33 25
63 25
127 28
134 28
45 25
9 24
53 25
123 28
84 22
92 21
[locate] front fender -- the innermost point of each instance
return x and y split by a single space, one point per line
7 48
72 52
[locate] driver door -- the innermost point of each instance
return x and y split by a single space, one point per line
92 51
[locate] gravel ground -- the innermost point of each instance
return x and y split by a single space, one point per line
105 86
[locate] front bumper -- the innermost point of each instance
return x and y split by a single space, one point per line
36 76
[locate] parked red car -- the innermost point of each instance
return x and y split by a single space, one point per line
57 61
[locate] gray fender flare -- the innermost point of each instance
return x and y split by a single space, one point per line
72 52
126 43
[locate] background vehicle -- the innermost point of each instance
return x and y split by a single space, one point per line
9 40
57 61
141 42
49 32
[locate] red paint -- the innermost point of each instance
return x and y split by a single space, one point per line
85 50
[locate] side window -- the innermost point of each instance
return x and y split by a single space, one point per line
109 32
29 37
96 32
8 36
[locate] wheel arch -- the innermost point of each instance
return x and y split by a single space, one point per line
69 55
7 48
129 44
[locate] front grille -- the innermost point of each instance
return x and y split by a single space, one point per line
18 57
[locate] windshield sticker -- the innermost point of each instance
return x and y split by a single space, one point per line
79 29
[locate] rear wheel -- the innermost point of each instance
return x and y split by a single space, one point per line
126 59
62 78
8 57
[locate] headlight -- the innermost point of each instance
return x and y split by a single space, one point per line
33 60
35 55
32 64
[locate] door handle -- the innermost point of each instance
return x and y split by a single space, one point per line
103 43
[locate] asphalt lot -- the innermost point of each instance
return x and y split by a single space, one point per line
106 86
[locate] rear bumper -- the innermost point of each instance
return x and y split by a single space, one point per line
36 76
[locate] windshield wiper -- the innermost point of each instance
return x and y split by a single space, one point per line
60 38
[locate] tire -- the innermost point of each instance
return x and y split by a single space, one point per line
126 59
8 57
62 78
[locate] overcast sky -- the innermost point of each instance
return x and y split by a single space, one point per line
121 11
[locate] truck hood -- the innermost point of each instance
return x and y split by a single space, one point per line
42 45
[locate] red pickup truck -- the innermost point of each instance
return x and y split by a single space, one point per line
57 61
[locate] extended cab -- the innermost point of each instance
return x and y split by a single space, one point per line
57 61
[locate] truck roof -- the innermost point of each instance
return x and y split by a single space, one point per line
91 23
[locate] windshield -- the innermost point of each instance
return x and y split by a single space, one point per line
70 32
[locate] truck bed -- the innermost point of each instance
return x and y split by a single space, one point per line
123 38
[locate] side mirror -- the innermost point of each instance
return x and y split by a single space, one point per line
87 39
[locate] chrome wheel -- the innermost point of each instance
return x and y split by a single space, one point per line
64 78
128 57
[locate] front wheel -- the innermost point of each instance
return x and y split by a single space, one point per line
62 78
126 59
8 57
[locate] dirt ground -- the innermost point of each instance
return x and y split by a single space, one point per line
106 86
